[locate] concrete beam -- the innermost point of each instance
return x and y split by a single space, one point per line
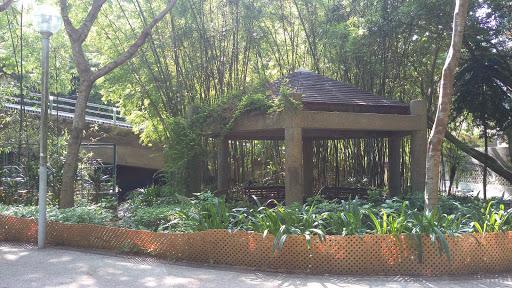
262 123
359 121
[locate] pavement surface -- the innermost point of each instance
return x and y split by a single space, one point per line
24 265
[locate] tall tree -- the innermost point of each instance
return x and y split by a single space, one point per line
77 37
435 141
482 89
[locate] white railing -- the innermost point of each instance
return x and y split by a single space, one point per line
65 108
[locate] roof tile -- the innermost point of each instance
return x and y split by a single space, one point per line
326 94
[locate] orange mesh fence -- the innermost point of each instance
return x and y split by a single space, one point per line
368 254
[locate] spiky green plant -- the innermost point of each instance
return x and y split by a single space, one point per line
212 215
282 222
390 223
348 221
436 225
493 220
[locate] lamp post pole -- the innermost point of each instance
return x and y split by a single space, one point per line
47 21
43 147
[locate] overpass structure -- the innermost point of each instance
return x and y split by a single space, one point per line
64 107
136 163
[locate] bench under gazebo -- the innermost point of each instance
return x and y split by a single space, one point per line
332 110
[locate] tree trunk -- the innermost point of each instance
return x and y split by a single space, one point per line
443 109
67 194
453 172
77 37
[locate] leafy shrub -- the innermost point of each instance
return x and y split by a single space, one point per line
149 218
213 214
461 205
436 225
316 217
391 223
154 195
376 195
348 221
494 220
282 222
89 214
320 205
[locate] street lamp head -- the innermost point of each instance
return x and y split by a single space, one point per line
46 19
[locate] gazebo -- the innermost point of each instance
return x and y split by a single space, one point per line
332 110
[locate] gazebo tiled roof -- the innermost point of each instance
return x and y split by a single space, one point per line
321 93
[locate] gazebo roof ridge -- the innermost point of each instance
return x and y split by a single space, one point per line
322 93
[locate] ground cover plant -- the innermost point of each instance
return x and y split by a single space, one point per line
85 213
173 213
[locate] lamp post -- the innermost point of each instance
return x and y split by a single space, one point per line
47 21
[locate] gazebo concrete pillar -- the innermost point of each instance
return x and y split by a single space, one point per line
293 180
419 148
394 166
307 152
223 165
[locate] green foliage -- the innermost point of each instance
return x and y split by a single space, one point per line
462 205
19 160
376 194
353 217
323 206
149 218
187 141
285 101
283 221
154 195
251 103
483 85
184 144
391 223
436 225
492 220
348 221
88 214
155 208
213 215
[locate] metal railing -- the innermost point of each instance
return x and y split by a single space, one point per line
65 108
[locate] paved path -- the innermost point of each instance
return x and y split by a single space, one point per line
23 265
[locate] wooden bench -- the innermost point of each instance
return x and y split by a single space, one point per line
343 193
265 193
